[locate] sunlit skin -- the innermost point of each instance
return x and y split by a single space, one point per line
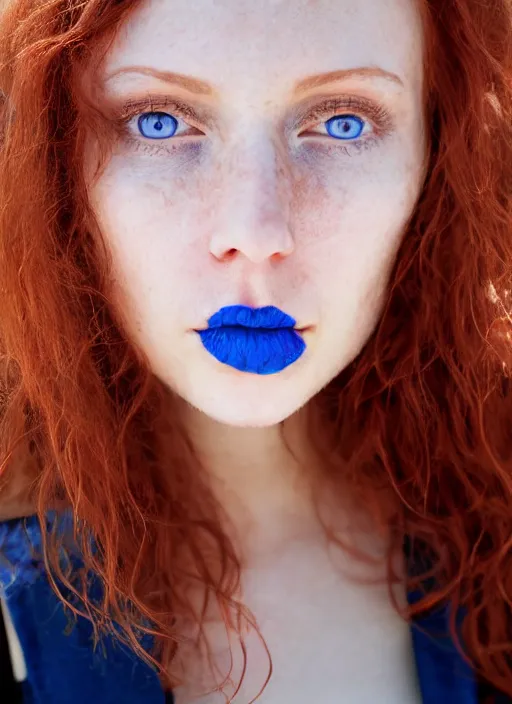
254 200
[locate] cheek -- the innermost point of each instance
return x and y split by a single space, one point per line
138 214
349 224
158 242
349 198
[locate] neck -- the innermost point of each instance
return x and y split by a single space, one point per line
263 487
271 495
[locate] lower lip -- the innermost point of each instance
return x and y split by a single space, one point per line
254 350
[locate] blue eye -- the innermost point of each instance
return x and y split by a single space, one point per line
345 127
157 125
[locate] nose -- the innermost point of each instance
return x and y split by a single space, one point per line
254 210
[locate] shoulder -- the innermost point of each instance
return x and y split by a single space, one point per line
20 543
21 547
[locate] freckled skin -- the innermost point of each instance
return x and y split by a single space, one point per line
250 211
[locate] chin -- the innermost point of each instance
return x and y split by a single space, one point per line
248 400
242 417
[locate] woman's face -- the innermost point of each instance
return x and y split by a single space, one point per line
276 164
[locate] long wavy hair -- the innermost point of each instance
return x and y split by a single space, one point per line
419 426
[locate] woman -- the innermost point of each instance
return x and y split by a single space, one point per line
255 264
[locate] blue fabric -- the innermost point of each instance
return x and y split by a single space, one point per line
444 676
62 667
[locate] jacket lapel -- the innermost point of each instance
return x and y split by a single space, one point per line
444 676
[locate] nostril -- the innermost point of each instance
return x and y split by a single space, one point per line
228 255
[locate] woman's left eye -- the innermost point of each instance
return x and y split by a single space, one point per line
345 127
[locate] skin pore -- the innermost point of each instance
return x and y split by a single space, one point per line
252 201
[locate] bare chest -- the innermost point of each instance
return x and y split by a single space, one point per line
329 640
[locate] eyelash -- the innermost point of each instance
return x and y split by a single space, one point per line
327 109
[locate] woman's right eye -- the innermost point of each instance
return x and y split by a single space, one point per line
155 130
157 125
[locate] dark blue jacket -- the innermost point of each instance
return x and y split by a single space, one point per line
63 668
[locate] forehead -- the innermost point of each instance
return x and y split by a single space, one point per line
242 45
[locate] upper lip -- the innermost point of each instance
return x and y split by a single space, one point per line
268 317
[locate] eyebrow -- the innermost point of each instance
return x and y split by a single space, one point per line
193 85
199 87
343 74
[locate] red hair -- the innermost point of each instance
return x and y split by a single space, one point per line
419 426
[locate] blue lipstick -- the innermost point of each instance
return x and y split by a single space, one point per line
254 340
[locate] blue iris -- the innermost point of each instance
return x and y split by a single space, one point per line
157 125
345 126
